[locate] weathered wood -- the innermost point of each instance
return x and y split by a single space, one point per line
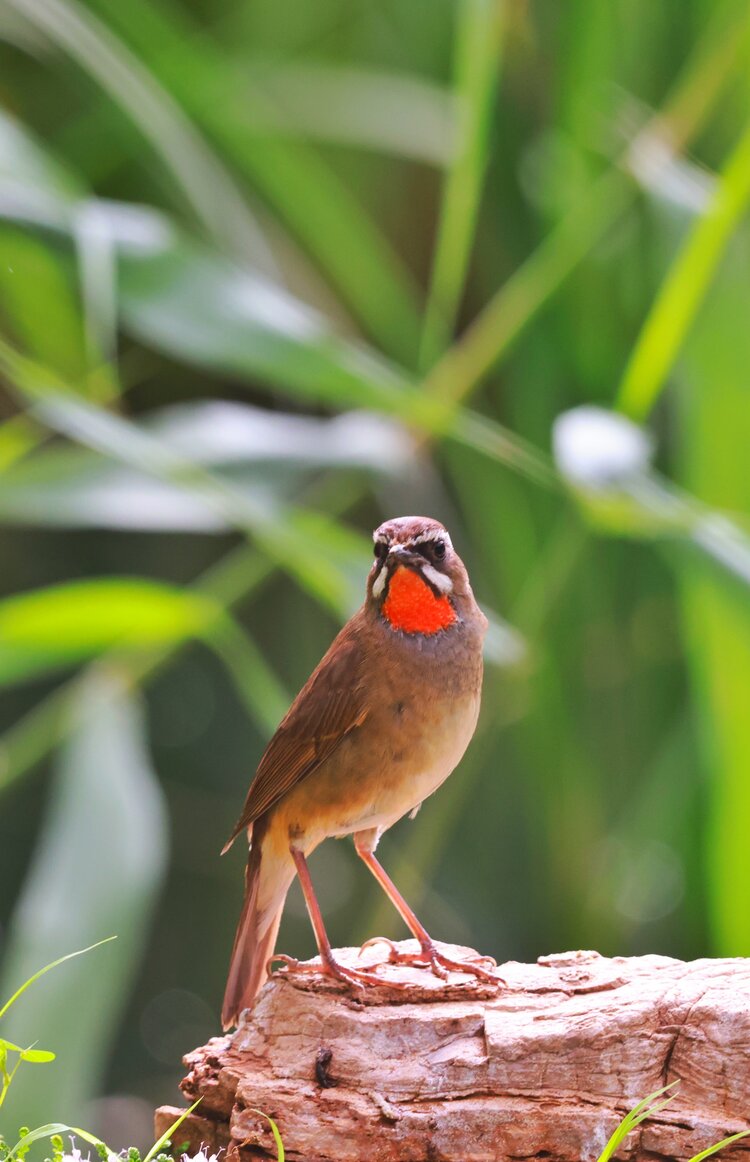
452 1072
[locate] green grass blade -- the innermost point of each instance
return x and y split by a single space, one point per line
275 1131
197 171
494 330
645 1109
395 113
481 25
47 968
279 534
711 454
200 308
685 286
51 1128
719 1146
510 310
162 1141
305 194
347 246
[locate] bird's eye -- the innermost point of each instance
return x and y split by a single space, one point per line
438 548
381 550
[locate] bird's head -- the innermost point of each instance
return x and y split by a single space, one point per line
417 583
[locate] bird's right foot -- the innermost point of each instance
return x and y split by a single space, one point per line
430 956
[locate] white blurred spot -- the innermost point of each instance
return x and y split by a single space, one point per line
259 301
595 448
652 885
503 645
221 432
653 163
644 881
135 229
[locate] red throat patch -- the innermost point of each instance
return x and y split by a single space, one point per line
413 607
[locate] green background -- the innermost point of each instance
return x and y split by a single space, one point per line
269 273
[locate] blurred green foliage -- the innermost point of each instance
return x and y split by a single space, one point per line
271 273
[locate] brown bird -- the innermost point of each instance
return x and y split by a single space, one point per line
381 723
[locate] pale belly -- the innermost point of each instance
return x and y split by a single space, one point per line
380 774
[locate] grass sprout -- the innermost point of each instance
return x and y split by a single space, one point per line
648 1108
31 1055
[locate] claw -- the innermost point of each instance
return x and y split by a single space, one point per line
379 940
290 964
440 964
329 967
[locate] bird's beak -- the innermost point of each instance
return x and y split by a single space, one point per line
401 555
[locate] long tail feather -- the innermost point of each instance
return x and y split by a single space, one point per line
256 933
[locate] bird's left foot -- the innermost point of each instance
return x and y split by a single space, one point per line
430 957
327 966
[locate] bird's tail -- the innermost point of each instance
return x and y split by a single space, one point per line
267 881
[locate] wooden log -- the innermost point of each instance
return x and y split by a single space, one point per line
451 1071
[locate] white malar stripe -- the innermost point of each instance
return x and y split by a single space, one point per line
378 584
439 580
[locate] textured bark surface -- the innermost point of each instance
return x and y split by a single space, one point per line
452 1072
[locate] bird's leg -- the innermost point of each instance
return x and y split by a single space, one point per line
429 955
330 965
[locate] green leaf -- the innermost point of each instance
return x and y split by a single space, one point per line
31 1055
478 46
199 174
98 864
201 308
298 185
198 307
264 455
645 1109
714 432
49 1130
719 1146
162 1141
275 1131
32 273
40 972
686 285
64 624
397 113
33 184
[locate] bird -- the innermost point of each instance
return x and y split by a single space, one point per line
383 720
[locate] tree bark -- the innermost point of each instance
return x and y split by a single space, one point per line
451 1071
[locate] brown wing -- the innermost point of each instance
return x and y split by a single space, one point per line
327 708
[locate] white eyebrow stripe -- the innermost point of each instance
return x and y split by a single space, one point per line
439 580
433 535
378 584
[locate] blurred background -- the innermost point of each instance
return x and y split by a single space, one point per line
270 273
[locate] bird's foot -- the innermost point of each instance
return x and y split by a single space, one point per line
354 977
430 957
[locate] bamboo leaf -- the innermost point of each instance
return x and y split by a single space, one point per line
479 36
102 845
63 624
685 286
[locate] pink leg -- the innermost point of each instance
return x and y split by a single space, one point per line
429 954
329 964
